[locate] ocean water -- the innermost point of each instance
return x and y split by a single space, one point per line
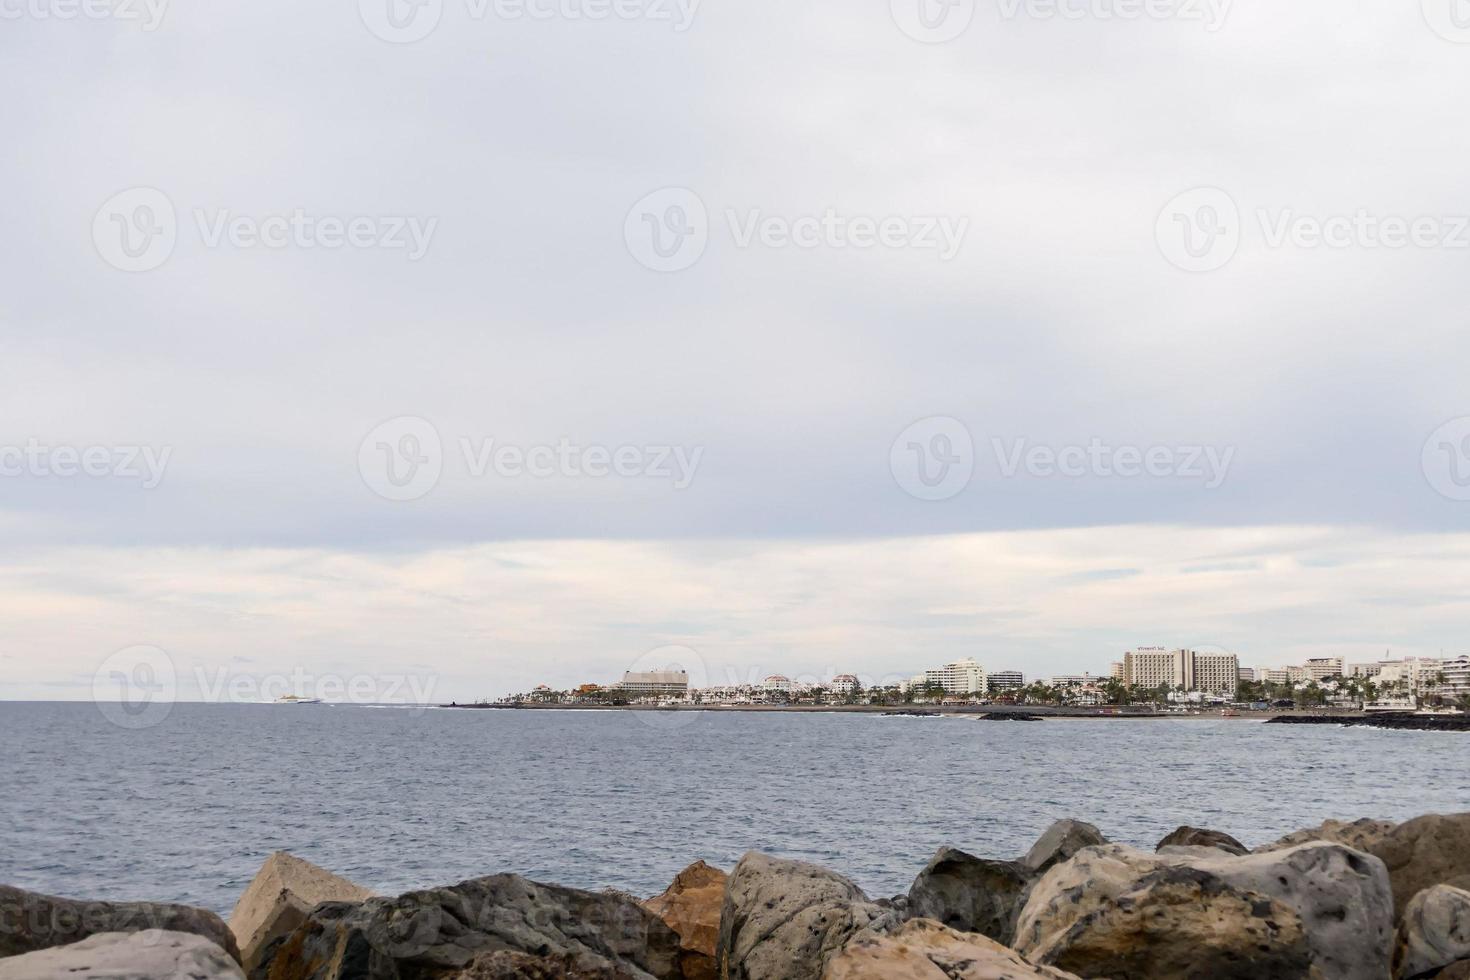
399 798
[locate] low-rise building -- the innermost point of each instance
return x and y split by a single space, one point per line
777 683
656 683
844 684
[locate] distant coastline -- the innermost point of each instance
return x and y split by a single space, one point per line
967 710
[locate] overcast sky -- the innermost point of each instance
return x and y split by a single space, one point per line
499 343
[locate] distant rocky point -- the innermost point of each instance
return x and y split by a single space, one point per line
1362 900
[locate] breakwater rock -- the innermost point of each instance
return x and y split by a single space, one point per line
1391 720
1361 900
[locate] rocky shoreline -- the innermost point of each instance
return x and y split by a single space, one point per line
1366 900
1398 721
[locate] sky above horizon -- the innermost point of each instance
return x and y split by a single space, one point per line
519 341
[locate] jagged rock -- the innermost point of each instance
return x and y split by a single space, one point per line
439 932
1426 851
691 907
1434 932
782 920
32 921
277 900
505 965
1114 911
152 954
1060 841
971 894
1195 837
1360 835
925 950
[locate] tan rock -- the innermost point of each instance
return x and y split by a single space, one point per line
925 950
1360 835
691 907
277 899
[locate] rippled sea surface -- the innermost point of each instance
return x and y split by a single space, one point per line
399 798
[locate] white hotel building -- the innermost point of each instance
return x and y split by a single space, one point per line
1150 667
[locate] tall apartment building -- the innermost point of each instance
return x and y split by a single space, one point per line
1115 670
1456 678
1149 667
958 677
1006 680
1275 675
1321 668
1247 673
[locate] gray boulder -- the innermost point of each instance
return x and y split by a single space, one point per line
34 921
1316 910
153 954
1060 841
971 894
1195 837
1434 932
444 932
782 920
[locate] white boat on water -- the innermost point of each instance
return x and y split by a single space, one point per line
293 699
